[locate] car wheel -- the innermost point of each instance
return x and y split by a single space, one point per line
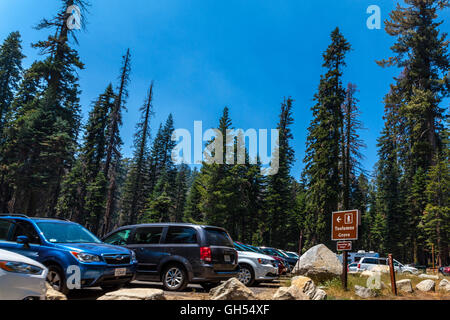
209 285
56 279
175 278
246 275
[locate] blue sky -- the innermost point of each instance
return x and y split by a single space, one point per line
204 55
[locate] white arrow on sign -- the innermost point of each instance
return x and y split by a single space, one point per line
339 219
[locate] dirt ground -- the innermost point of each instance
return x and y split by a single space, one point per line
265 291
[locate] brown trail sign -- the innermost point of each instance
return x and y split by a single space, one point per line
344 227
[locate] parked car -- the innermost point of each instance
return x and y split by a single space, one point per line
367 263
292 254
255 267
405 269
21 278
65 248
282 264
178 254
445 271
352 267
272 251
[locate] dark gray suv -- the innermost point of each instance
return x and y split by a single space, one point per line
178 254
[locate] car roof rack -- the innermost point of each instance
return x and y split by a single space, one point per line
13 215
20 215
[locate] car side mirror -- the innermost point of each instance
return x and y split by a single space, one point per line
23 240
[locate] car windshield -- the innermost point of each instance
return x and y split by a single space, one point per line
56 232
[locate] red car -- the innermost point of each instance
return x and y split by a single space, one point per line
445 271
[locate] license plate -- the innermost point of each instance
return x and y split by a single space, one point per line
120 272
227 258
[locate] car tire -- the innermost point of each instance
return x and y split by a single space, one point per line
209 285
57 280
246 275
174 278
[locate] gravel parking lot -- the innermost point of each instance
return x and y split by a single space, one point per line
193 292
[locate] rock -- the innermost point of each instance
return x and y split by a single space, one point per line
289 293
134 294
426 286
405 285
320 295
232 289
52 294
428 276
305 285
319 263
444 285
364 292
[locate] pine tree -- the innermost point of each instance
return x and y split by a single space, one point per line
280 196
10 73
351 145
114 142
193 212
421 51
48 124
136 185
323 144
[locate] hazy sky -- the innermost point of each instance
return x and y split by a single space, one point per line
204 55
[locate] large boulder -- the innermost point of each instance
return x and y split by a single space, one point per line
319 263
134 294
428 276
232 289
289 293
426 286
365 293
444 285
405 285
52 294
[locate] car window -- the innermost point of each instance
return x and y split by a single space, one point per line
181 235
119 238
148 235
217 237
5 228
24 228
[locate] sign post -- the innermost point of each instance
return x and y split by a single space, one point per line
344 228
392 270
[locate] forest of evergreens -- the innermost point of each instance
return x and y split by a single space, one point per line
53 163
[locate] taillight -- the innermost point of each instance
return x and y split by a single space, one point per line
359 265
237 256
205 254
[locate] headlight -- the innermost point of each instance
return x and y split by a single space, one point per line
20 267
86 257
263 261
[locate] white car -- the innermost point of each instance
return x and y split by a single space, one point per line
256 268
21 278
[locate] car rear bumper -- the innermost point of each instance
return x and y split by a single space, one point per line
208 274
